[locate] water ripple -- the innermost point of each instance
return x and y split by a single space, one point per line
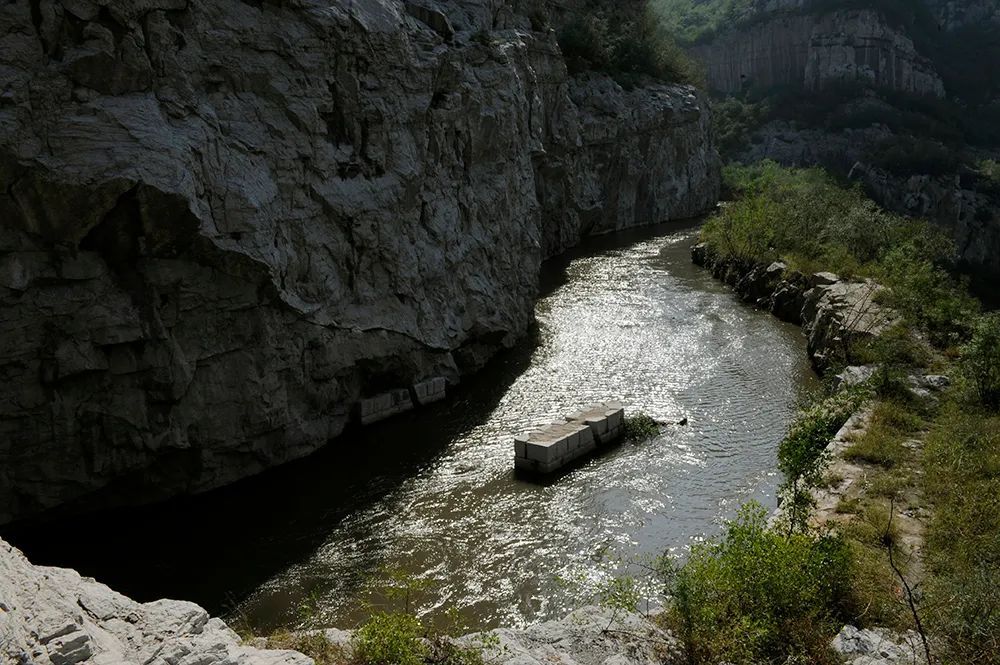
638 324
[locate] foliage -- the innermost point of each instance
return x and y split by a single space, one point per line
699 21
989 172
639 427
981 360
391 639
925 293
906 156
962 475
313 644
882 441
806 218
626 43
734 120
800 453
756 595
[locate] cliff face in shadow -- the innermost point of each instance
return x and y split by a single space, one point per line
222 224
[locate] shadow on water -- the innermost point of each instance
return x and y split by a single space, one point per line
216 548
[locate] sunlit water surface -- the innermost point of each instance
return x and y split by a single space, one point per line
636 324
433 493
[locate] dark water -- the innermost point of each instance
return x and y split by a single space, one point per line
433 494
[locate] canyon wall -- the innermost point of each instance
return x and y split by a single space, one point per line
222 224
780 47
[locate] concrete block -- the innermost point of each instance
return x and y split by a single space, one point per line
521 446
543 451
616 417
430 391
558 444
598 425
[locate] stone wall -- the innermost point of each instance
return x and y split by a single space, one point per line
224 224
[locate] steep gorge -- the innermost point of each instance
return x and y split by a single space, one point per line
222 224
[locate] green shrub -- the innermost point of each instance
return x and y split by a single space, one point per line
981 360
800 453
627 42
904 155
756 595
639 427
806 218
391 639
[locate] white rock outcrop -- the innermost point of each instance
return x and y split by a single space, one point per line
223 224
53 616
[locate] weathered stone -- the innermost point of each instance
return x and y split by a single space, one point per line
41 622
878 647
224 224
813 49
833 313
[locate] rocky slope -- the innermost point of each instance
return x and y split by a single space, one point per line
833 312
222 224
52 616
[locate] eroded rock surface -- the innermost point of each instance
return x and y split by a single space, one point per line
222 224
878 646
813 49
52 616
834 313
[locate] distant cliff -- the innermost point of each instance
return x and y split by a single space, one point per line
904 97
222 224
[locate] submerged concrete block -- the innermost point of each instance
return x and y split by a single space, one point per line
558 444
382 406
430 391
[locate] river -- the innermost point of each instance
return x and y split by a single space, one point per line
432 493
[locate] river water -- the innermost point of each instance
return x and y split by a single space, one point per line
433 494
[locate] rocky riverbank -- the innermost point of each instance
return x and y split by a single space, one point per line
834 313
53 616
224 225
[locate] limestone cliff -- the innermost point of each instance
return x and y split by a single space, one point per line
223 223
782 47
871 92
53 616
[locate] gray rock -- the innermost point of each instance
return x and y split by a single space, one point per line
224 224
813 49
589 636
854 375
878 647
53 616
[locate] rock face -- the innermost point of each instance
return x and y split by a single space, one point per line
589 636
223 224
52 616
833 313
878 647
800 48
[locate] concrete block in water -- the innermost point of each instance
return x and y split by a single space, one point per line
382 406
430 391
560 443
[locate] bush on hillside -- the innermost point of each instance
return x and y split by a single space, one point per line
981 360
759 596
806 218
626 44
